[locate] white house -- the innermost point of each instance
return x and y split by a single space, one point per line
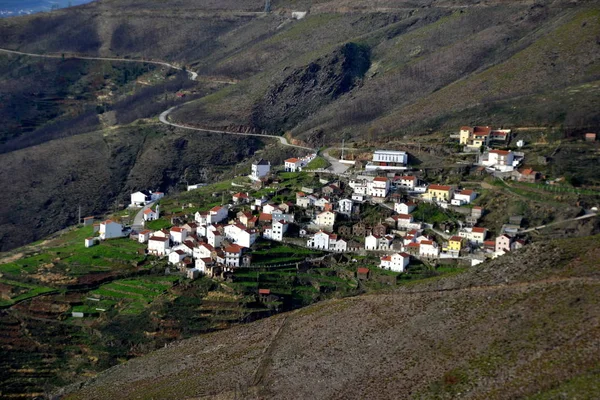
201 217
463 197
177 234
216 215
403 220
503 243
276 230
269 208
371 242
175 257
204 250
396 262
204 264
240 235
158 246
404 208
408 182
110 229
141 198
500 160
292 165
144 235
89 242
325 220
358 197
260 169
379 187
305 201
214 238
341 245
320 240
233 255
345 206
474 235
240 197
428 248
151 215
322 202
374 242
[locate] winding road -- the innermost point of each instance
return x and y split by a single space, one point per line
164 116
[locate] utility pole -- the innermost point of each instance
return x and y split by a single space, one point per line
79 216
343 142
267 6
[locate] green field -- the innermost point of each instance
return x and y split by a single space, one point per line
135 294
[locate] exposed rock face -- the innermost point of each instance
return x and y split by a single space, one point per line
307 89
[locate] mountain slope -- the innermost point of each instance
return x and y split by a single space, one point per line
525 325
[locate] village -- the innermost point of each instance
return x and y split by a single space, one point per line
328 217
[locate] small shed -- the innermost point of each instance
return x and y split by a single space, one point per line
363 274
89 242
590 137
87 221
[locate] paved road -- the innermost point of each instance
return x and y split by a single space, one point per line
193 75
164 118
586 216
336 166
165 114
138 221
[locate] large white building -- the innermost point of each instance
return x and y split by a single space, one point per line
110 229
325 220
379 187
276 230
500 160
159 246
260 169
388 160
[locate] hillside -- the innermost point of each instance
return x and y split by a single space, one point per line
522 326
375 70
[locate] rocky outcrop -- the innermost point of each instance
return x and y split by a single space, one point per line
309 88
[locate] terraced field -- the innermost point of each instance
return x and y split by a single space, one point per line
135 294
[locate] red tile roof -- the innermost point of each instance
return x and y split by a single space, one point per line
456 239
482 130
413 244
440 187
265 217
405 255
467 192
233 248
158 239
408 178
404 216
216 208
264 291
386 258
427 242
177 229
292 160
381 179
148 211
363 270
479 229
500 152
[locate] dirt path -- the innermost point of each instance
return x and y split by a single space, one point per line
266 359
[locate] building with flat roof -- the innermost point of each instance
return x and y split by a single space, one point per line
388 160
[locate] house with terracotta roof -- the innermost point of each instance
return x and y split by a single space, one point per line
214 237
407 181
176 257
233 255
475 235
500 160
205 265
590 137
474 137
376 242
144 235
177 234
159 246
526 175
150 214
428 249
363 273
396 262
438 193
292 164
240 198
463 197
379 187
504 243
455 244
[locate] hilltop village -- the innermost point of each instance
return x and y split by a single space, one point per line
382 209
